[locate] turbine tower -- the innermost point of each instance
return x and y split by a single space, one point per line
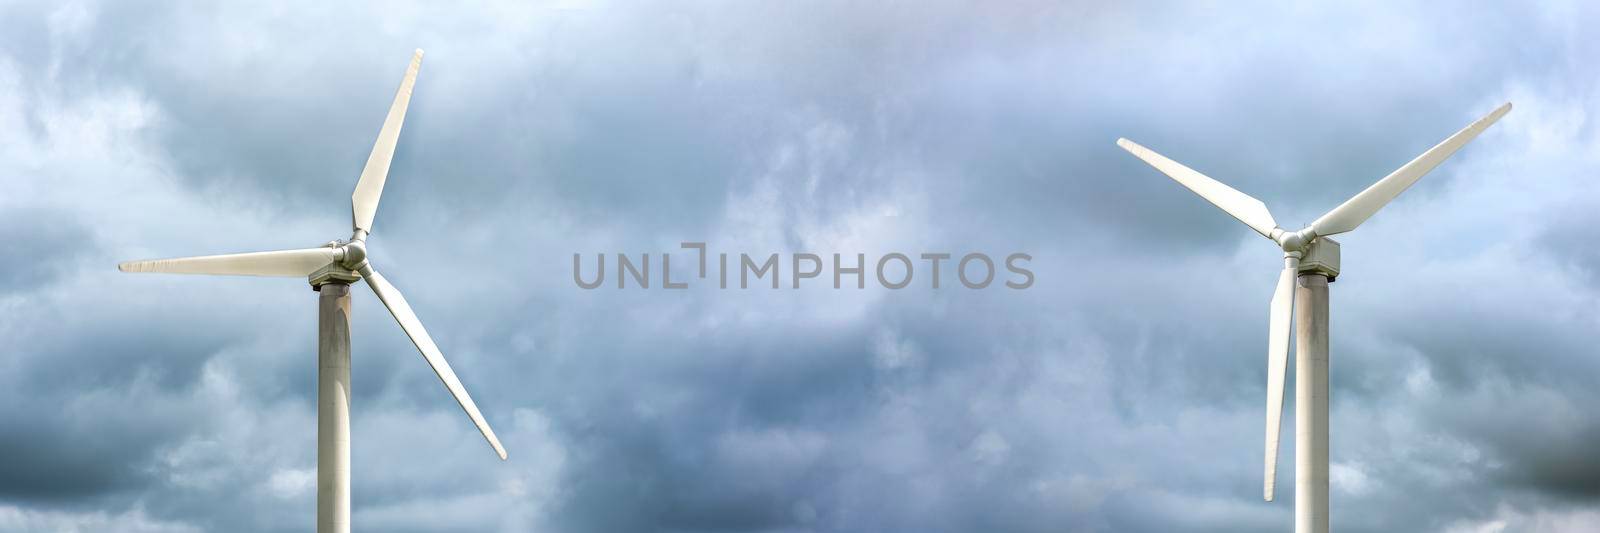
1314 259
331 269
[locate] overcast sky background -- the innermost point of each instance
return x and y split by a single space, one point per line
1122 392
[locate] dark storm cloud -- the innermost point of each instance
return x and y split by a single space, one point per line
1121 393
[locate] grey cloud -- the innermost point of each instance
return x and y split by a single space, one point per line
38 246
1121 393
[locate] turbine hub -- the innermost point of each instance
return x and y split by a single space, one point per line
355 253
1296 241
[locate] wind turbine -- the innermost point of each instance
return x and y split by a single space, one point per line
1312 257
331 269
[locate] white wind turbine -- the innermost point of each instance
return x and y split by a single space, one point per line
1312 257
331 269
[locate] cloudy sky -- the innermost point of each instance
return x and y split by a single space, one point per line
1122 392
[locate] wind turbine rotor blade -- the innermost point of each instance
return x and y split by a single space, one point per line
1364 204
286 263
364 201
1280 321
1248 210
392 299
